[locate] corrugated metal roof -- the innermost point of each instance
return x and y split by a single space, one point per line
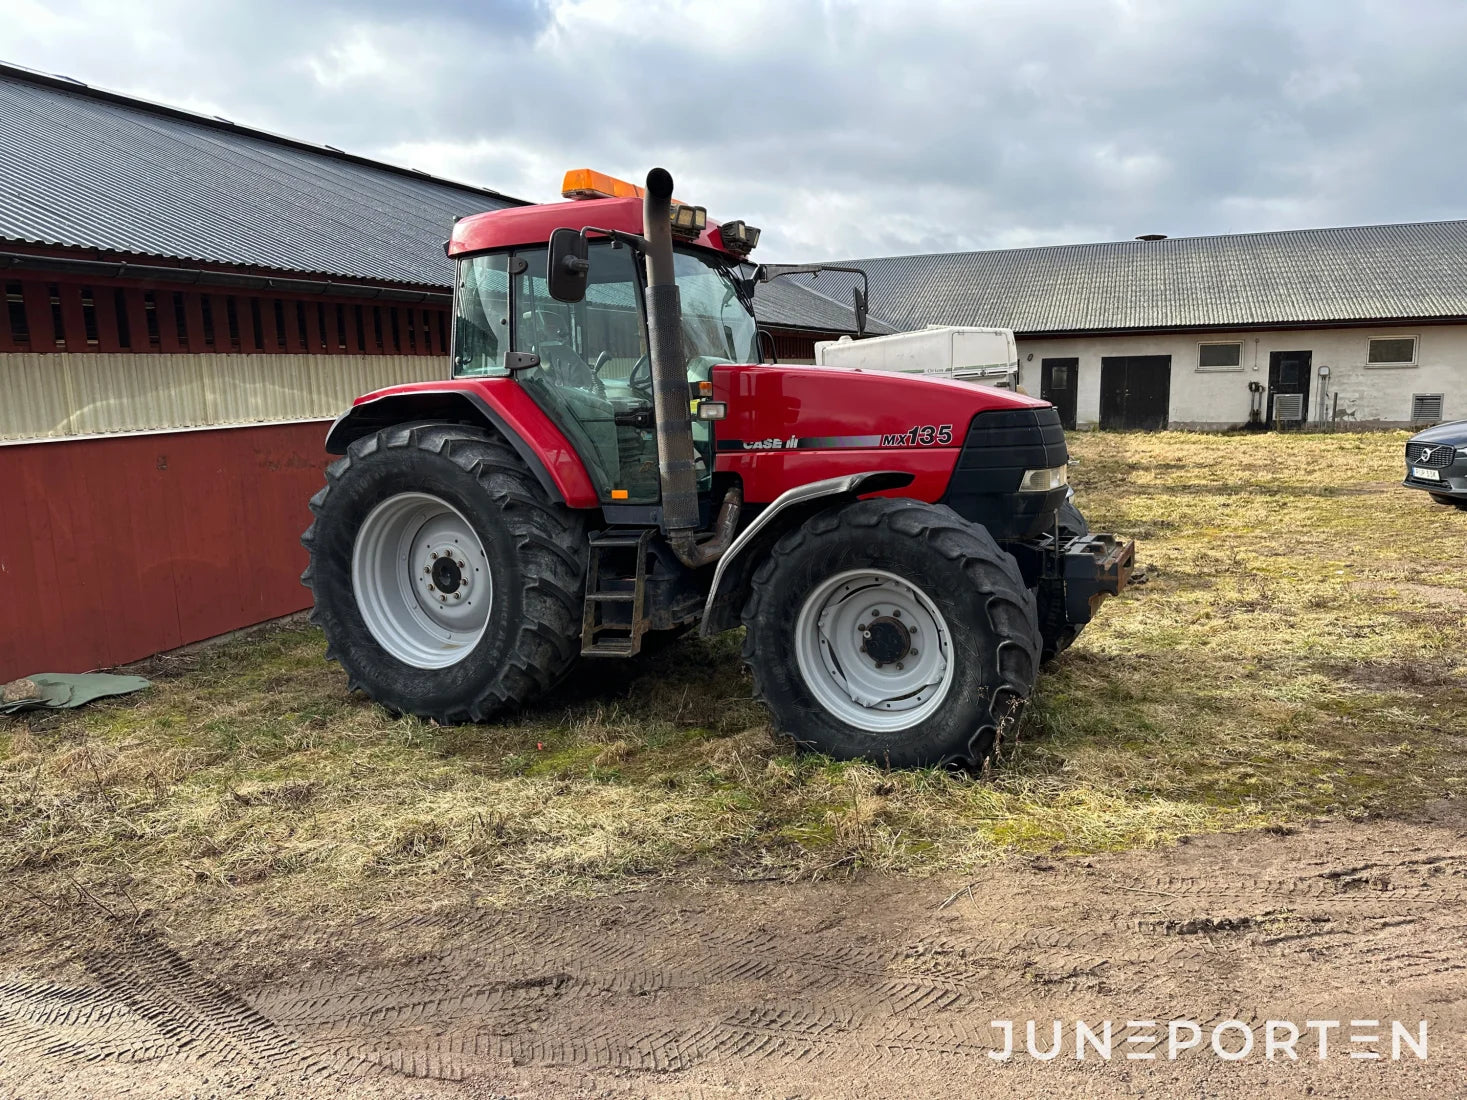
99 170
785 303
95 169
89 168
1359 273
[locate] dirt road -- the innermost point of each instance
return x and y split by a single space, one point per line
878 988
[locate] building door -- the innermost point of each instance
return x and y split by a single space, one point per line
1135 391
1058 380
1288 374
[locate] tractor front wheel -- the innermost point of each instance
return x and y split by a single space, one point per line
894 631
447 583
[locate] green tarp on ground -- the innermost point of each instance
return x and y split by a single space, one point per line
59 690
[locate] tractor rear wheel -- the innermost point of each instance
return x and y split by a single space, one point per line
1057 633
894 631
448 584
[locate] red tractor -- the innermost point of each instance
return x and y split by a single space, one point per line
610 462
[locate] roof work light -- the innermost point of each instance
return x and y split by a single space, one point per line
689 221
739 236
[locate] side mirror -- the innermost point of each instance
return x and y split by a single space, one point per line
567 265
860 311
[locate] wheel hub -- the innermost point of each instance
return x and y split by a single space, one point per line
886 640
874 650
447 574
422 580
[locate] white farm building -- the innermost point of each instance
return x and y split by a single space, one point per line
1364 326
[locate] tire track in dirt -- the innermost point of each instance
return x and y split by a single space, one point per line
840 985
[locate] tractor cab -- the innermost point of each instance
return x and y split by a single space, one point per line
586 361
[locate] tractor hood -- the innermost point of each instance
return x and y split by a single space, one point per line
828 408
964 445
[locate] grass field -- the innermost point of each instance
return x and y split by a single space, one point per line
1297 652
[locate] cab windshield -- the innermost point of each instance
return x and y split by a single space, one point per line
718 325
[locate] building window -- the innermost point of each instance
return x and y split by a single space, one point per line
150 315
89 315
180 319
20 329
124 322
58 326
1220 356
1392 351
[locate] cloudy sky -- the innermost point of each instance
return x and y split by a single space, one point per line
844 128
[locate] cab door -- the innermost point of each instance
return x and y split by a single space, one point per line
593 378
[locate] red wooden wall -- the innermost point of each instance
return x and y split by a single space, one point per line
118 547
78 313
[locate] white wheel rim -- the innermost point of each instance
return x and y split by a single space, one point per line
892 619
421 580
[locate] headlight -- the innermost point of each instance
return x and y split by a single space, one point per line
1042 481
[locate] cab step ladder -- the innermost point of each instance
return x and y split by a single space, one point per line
607 587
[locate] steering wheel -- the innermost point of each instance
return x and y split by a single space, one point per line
640 377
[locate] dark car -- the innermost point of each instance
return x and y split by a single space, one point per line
1436 460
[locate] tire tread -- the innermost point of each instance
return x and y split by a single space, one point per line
550 540
1009 604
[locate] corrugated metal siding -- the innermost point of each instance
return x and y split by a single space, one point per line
135 179
129 545
1386 272
54 396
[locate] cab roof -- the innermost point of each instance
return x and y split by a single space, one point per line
523 226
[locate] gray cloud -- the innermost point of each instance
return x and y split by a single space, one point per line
844 128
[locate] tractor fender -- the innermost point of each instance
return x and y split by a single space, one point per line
790 509
505 407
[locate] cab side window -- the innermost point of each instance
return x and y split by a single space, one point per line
481 328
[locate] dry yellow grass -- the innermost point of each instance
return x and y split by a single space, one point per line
1297 652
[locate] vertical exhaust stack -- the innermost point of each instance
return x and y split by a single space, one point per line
669 367
675 458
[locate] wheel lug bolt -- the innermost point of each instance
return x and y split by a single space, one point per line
913 652
458 595
434 555
899 665
863 647
896 614
432 587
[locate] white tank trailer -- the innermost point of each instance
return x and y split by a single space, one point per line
984 355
